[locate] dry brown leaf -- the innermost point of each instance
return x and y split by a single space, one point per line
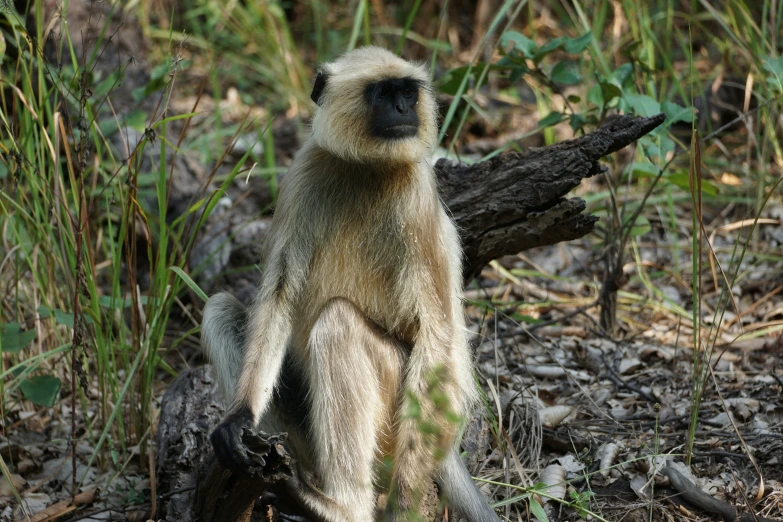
608 452
554 477
53 512
64 506
552 417
17 483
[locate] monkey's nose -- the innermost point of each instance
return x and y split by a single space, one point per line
402 108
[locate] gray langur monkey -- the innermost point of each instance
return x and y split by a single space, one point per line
359 305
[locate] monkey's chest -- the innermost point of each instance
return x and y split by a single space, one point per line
369 265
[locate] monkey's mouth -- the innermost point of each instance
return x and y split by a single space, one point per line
400 131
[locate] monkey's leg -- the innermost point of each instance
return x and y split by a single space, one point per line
354 373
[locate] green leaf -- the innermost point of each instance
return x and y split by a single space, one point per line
158 80
577 121
41 390
511 500
675 113
137 120
14 340
161 71
644 170
623 75
551 119
522 43
580 502
188 281
774 66
24 238
2 47
680 179
541 487
548 47
61 317
565 73
595 97
639 227
631 49
610 89
64 318
105 86
642 105
107 301
578 44
449 83
517 73
413 410
659 146
537 510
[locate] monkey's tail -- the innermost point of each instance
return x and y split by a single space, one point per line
461 491
223 339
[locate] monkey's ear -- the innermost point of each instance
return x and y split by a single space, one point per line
318 87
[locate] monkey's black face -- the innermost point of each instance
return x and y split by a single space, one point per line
393 108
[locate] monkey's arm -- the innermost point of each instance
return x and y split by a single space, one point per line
269 328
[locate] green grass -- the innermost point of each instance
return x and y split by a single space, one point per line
76 220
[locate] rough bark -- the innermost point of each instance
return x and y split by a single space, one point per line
502 206
515 201
189 412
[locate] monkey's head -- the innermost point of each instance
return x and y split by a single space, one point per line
374 106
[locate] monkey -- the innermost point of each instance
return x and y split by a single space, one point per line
356 338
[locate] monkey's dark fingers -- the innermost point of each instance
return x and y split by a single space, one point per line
229 450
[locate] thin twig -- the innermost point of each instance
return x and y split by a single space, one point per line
648 396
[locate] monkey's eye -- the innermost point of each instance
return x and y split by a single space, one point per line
383 94
408 92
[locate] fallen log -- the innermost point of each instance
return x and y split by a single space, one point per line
516 201
501 206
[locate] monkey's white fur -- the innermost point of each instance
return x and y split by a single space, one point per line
361 292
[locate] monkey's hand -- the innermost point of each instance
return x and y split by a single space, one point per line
227 441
